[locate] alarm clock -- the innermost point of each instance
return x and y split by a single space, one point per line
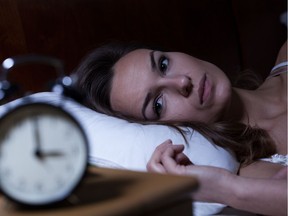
43 152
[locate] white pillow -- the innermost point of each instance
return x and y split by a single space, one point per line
116 143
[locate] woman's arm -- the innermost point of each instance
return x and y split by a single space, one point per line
262 196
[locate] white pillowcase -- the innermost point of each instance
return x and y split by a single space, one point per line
116 143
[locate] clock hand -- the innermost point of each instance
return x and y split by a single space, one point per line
51 154
38 152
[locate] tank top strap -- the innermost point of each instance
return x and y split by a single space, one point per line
278 69
277 158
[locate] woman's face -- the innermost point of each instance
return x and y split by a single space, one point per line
168 86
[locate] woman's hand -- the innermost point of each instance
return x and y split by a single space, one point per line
169 158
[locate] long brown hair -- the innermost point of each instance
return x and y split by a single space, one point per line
95 75
248 143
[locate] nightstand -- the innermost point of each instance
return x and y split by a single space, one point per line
111 192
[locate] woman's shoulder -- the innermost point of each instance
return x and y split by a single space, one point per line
282 55
261 169
280 69
281 63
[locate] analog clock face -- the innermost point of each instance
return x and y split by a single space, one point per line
43 154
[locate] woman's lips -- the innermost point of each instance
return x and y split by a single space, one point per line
204 90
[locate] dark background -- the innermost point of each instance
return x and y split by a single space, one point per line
233 34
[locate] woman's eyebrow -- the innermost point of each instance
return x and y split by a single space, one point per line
152 60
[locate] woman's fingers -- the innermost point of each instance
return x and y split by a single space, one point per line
168 158
178 155
173 160
182 159
154 164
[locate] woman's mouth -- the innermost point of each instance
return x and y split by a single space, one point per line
204 90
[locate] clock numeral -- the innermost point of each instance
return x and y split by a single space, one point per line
68 131
21 185
75 150
59 183
6 173
39 186
69 168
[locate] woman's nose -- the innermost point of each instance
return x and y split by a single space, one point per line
180 83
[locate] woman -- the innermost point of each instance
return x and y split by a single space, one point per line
143 84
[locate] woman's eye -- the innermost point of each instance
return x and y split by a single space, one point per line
158 105
163 64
